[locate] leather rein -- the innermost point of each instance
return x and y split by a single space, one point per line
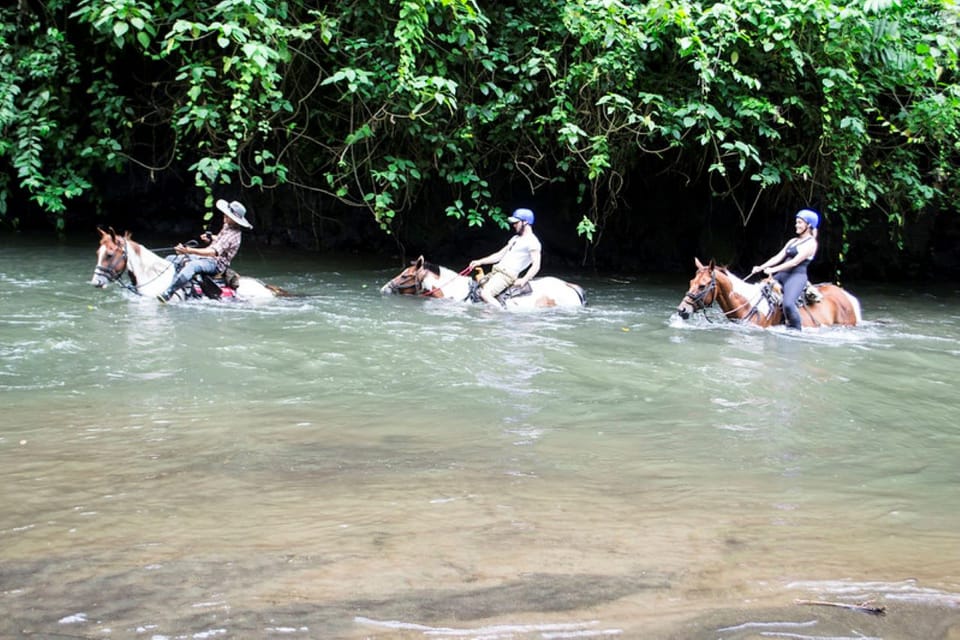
113 271
697 301
417 285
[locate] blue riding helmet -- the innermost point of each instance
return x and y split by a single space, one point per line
521 215
811 217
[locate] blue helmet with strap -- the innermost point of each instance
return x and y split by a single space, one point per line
811 217
521 215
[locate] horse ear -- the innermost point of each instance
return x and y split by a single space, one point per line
713 264
420 262
697 262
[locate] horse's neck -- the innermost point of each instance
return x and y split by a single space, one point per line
143 263
736 297
452 284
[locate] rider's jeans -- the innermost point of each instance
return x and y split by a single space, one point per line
192 266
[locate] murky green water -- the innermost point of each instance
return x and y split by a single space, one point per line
341 465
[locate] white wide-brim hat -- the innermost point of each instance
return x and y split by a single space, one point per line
235 211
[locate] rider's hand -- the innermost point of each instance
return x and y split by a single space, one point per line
754 270
207 237
474 264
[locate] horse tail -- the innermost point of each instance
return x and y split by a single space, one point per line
855 303
278 291
580 292
844 311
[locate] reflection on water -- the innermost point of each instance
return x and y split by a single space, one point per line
341 465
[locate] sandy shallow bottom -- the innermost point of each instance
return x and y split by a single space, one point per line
535 606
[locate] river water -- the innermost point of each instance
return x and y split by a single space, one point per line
343 465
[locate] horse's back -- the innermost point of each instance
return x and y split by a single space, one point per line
254 288
845 305
550 291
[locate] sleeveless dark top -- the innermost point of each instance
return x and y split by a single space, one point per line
792 251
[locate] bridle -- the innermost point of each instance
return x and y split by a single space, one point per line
696 300
406 281
116 266
413 279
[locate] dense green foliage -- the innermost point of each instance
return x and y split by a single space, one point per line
854 108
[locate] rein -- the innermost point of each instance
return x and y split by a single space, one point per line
113 274
417 285
440 286
188 243
696 300
698 305
406 281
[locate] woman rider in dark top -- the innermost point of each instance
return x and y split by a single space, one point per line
789 266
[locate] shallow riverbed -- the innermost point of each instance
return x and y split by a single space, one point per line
342 465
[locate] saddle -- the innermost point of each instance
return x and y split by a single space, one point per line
230 278
811 294
515 292
510 292
214 287
773 292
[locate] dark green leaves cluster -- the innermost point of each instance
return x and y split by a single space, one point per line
854 108
36 89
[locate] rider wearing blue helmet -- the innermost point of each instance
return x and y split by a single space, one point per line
521 251
789 266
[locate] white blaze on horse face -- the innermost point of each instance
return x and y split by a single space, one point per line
98 280
110 262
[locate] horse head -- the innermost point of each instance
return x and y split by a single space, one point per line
111 258
702 291
410 281
407 282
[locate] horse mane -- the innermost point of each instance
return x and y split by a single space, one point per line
135 246
432 267
152 266
725 270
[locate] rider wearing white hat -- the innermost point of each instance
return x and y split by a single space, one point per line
215 257
235 211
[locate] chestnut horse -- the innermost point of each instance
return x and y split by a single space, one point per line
150 274
425 279
754 303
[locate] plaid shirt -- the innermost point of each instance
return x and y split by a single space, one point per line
226 245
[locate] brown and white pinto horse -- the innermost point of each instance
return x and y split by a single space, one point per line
744 302
425 279
150 274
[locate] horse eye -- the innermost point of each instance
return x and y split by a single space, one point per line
702 287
